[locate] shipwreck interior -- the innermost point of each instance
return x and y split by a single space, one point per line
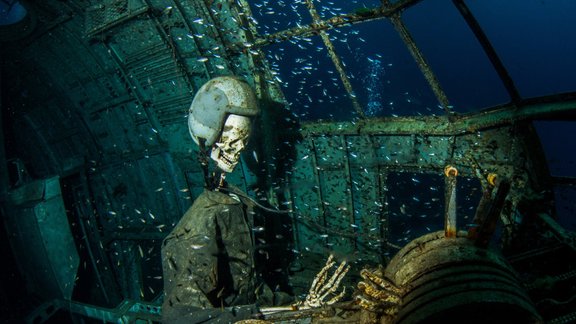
432 138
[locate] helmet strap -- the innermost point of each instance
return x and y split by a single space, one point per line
203 160
211 181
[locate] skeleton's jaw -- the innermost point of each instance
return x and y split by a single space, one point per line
225 162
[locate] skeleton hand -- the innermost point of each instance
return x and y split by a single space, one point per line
322 286
379 294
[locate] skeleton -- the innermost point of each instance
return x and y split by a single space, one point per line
322 287
378 293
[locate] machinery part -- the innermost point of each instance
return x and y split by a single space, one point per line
378 293
488 213
492 178
450 197
450 280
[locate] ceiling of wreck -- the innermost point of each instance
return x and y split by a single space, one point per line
95 97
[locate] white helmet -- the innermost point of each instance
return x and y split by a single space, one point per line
219 115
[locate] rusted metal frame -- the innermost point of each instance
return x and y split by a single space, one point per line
350 195
248 13
421 61
563 235
335 22
545 107
336 60
154 54
489 50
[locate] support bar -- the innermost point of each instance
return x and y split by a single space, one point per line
336 60
489 49
420 60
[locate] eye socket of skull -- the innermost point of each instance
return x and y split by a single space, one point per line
226 151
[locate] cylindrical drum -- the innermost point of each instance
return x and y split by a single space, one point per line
449 280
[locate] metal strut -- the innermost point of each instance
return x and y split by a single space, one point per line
489 49
336 60
420 60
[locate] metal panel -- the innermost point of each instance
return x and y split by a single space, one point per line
41 238
334 176
307 201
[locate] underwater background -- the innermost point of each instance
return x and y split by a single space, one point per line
105 115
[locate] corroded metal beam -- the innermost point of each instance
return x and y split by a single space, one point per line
546 107
489 49
336 60
421 61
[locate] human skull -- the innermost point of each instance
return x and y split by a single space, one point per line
226 151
